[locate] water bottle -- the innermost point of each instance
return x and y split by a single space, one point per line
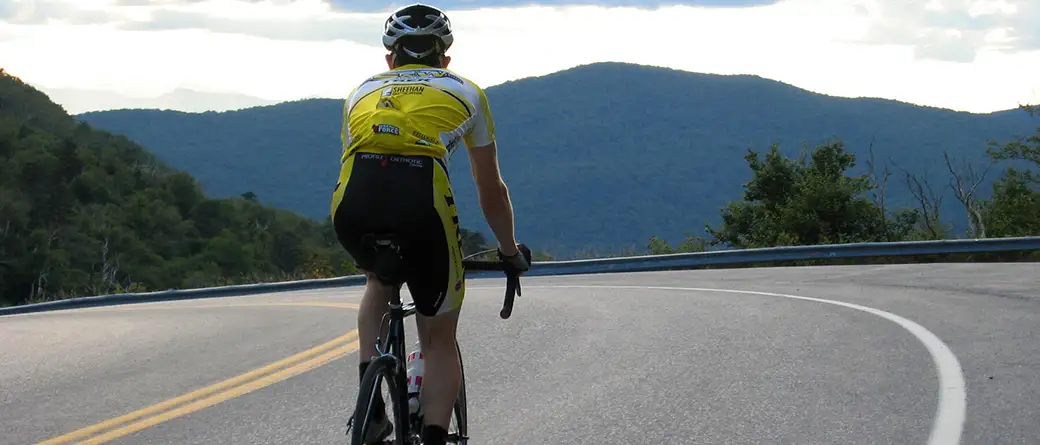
415 376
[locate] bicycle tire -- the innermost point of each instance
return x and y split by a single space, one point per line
460 436
381 369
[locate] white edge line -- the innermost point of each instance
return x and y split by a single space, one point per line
950 413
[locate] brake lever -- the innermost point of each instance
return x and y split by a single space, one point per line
512 289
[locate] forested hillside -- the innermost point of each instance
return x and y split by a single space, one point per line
88 212
598 158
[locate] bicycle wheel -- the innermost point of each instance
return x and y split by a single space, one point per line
457 428
457 432
380 371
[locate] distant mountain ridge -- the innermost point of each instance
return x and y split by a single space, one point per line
77 101
600 156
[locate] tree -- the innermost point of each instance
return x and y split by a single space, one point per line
808 201
929 205
1022 148
473 241
1014 209
690 243
965 184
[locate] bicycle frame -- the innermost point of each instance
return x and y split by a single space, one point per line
393 344
392 348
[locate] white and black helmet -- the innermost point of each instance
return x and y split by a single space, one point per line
418 20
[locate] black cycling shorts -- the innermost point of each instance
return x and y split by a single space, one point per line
411 197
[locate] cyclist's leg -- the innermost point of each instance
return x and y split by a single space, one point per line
442 376
374 306
359 208
438 288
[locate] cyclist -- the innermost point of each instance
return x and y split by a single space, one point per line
400 127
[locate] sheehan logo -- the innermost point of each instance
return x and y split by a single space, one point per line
407 90
386 129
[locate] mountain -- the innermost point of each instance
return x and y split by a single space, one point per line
79 101
600 156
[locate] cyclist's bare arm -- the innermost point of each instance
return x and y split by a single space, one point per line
493 195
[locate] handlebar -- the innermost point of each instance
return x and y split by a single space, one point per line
512 275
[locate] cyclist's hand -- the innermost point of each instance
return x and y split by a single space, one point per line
517 262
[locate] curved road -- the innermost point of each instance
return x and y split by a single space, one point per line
919 353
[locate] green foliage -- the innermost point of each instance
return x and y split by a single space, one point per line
541 255
473 242
691 243
1027 149
1014 209
799 202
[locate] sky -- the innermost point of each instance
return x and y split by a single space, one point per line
969 55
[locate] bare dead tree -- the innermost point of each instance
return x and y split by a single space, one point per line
261 226
105 271
146 168
965 183
38 291
109 268
928 201
879 181
4 231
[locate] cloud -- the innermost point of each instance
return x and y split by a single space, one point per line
288 20
73 12
449 5
286 49
357 21
382 6
327 27
35 12
943 30
954 30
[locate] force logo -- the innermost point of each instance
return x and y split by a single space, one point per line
386 128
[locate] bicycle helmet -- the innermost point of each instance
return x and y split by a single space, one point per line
418 20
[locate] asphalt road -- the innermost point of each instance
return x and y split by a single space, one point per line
942 351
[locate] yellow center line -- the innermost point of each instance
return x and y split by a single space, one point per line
217 306
228 394
246 382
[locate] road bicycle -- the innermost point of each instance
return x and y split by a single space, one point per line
389 365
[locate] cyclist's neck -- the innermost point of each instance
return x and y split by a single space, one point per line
414 66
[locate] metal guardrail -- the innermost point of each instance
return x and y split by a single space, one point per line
183 294
600 265
786 253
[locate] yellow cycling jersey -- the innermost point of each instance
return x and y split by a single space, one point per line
416 110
